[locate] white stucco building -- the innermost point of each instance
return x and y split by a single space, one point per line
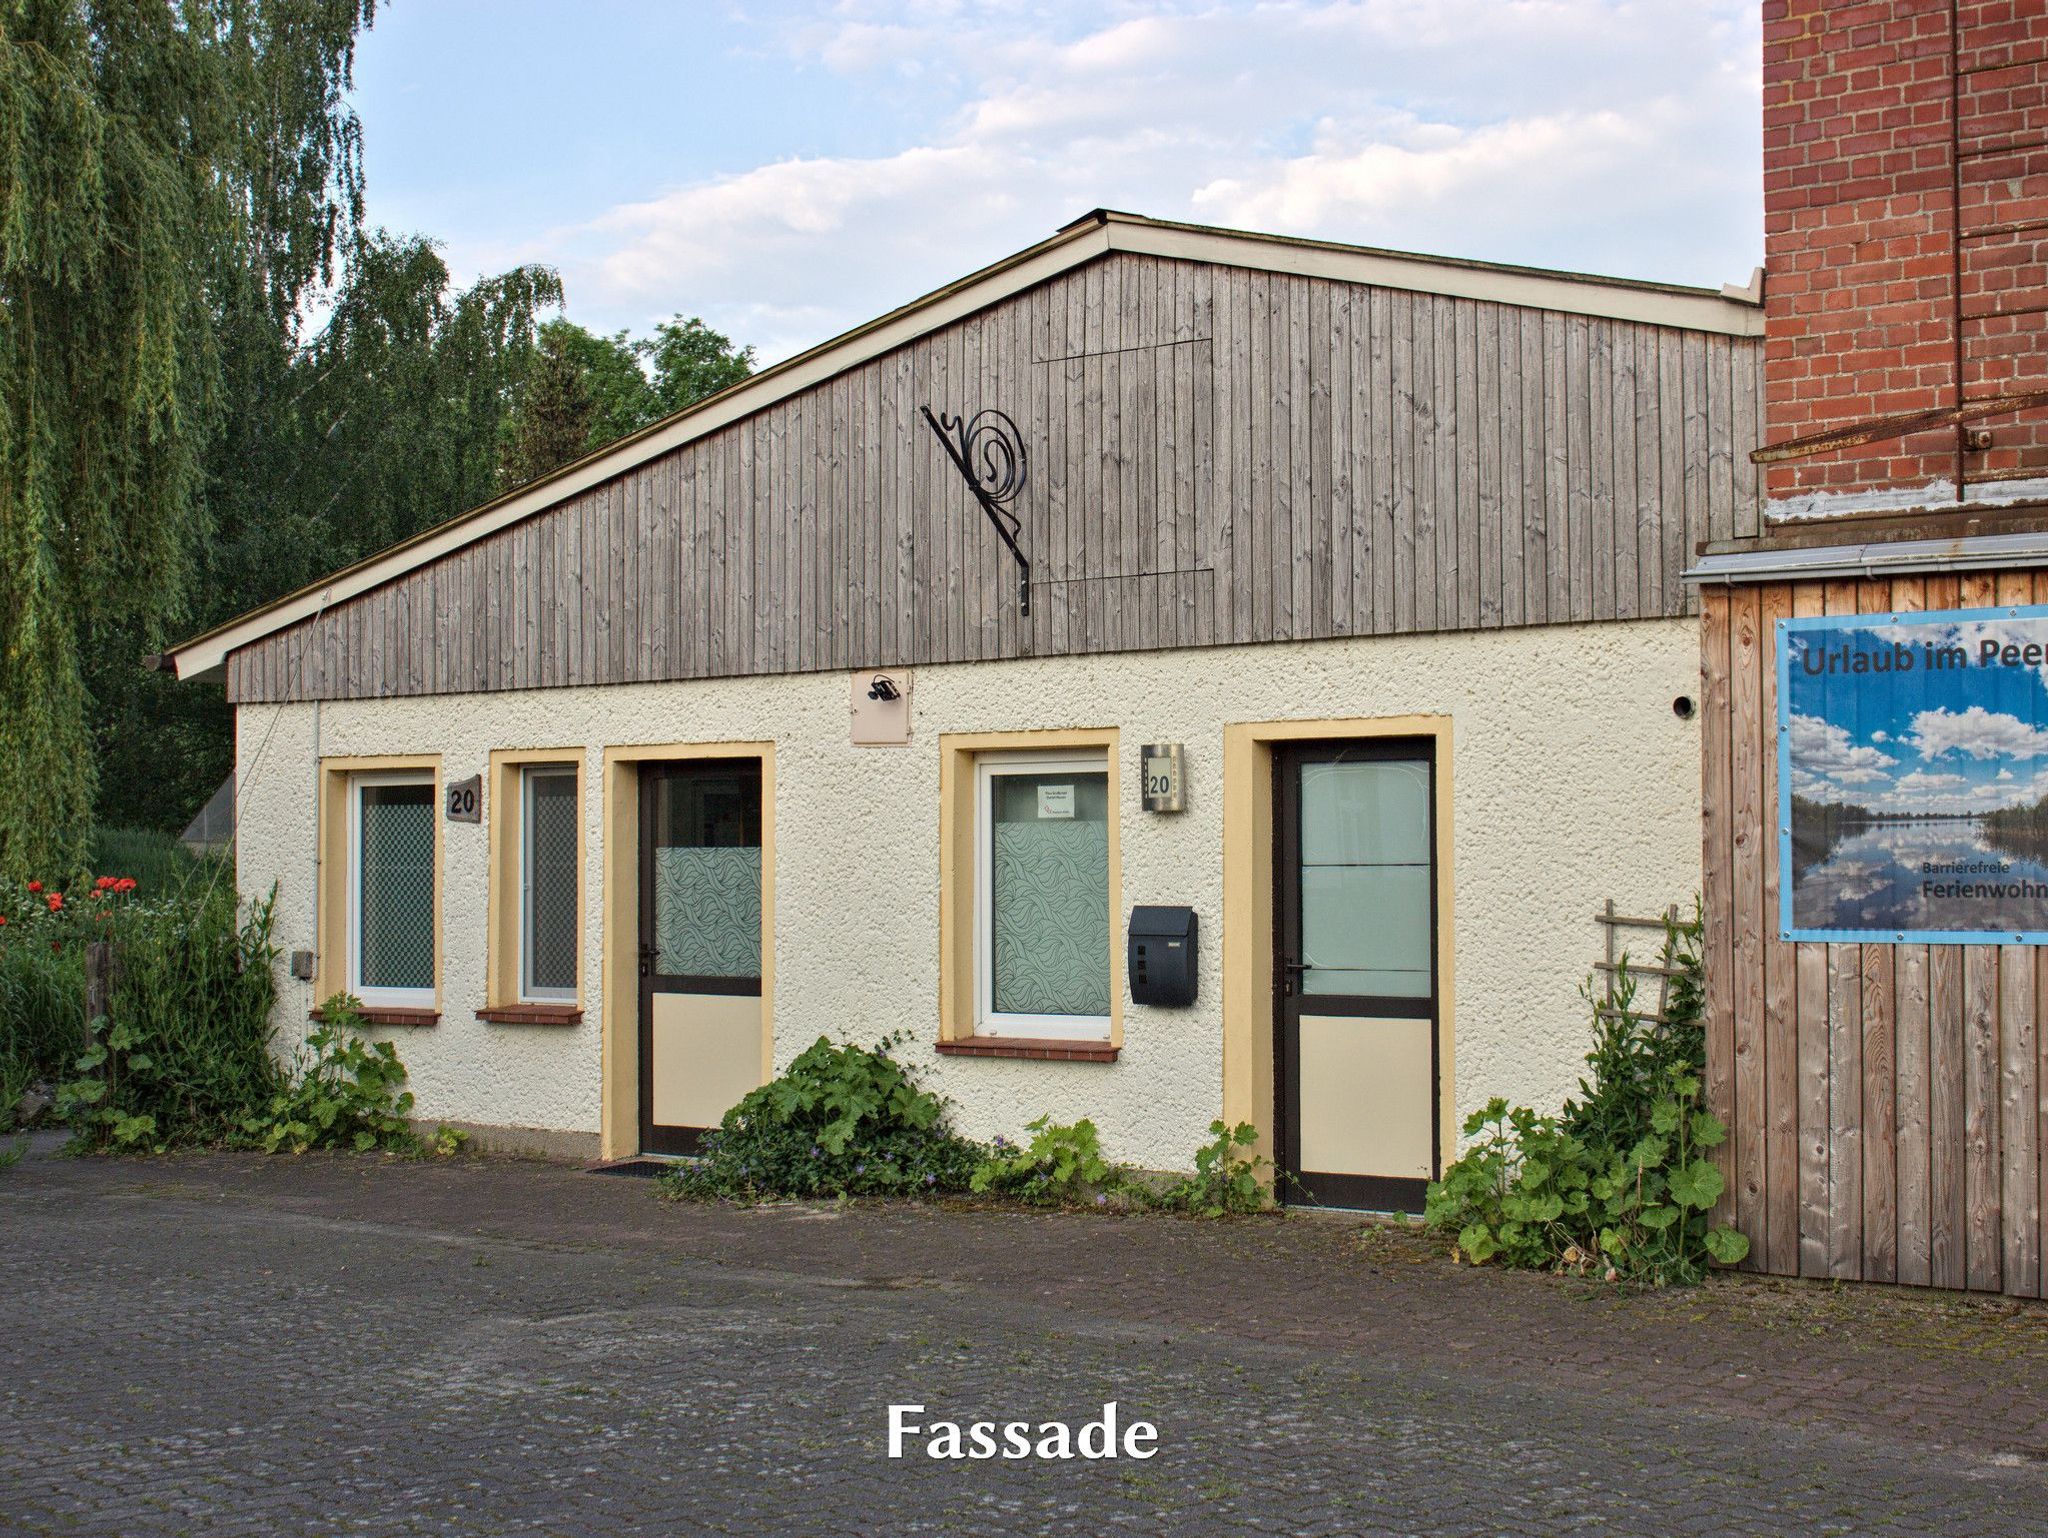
807 713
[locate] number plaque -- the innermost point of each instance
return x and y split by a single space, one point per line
1159 777
465 799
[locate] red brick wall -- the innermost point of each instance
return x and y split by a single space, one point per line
1860 188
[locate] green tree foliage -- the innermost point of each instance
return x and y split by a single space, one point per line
553 423
384 422
690 362
393 417
585 390
161 165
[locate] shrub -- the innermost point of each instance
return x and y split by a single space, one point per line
841 1121
183 1050
1228 1178
158 863
1619 1179
343 1092
1061 1166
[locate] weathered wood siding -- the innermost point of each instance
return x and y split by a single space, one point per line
1214 455
1885 1101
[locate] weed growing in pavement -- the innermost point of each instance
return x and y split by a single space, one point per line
1619 1182
1228 1179
344 1092
1062 1166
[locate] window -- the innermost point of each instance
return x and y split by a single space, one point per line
391 893
1042 897
549 873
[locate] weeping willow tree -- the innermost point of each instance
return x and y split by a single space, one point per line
174 174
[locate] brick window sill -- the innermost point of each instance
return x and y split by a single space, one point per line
1039 1049
371 1015
532 1014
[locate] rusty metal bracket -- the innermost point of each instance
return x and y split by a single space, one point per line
1876 429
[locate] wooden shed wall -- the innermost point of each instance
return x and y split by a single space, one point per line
1885 1101
1214 455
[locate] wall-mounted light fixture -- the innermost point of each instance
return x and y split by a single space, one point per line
880 706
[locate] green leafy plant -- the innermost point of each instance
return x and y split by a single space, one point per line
1229 1178
344 1092
1620 1181
1061 1166
842 1120
446 1142
181 1049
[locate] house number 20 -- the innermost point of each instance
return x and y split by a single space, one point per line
466 799
1159 777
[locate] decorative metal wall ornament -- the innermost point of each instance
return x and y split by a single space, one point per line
988 451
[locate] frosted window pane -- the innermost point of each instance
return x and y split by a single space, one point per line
1365 813
1365 929
1050 895
707 911
551 940
395 904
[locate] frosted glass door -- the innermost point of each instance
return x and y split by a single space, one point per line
1355 831
701 941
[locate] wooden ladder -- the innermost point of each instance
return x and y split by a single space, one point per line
1614 923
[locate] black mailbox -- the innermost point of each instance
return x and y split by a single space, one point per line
1162 955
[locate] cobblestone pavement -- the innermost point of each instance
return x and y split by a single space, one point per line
226 1345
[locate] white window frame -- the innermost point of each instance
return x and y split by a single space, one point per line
528 992
988 768
387 998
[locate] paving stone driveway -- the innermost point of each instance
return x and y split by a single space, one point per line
216 1345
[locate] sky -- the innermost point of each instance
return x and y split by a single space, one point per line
789 171
1967 738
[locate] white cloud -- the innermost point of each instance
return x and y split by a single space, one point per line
1977 732
1880 736
1919 782
1822 749
1593 134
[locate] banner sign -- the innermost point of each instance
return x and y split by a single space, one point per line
1913 776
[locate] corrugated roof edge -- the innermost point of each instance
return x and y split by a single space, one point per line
1095 234
1901 557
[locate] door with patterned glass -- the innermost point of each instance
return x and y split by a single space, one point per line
700 946
1355 972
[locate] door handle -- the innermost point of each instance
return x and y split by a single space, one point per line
646 961
1289 972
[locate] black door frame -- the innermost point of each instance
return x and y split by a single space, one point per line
665 1139
1366 1192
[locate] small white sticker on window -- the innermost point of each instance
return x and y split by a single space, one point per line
1056 801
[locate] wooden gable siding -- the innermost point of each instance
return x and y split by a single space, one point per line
1214 455
1885 1102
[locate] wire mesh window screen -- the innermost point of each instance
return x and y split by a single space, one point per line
550 886
395 895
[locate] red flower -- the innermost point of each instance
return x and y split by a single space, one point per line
125 884
103 883
3 920
56 900
35 886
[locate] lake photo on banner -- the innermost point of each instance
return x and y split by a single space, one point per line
1913 776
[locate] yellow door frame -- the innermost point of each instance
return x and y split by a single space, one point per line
1248 1066
619 1069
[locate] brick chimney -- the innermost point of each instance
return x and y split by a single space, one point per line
1891 128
